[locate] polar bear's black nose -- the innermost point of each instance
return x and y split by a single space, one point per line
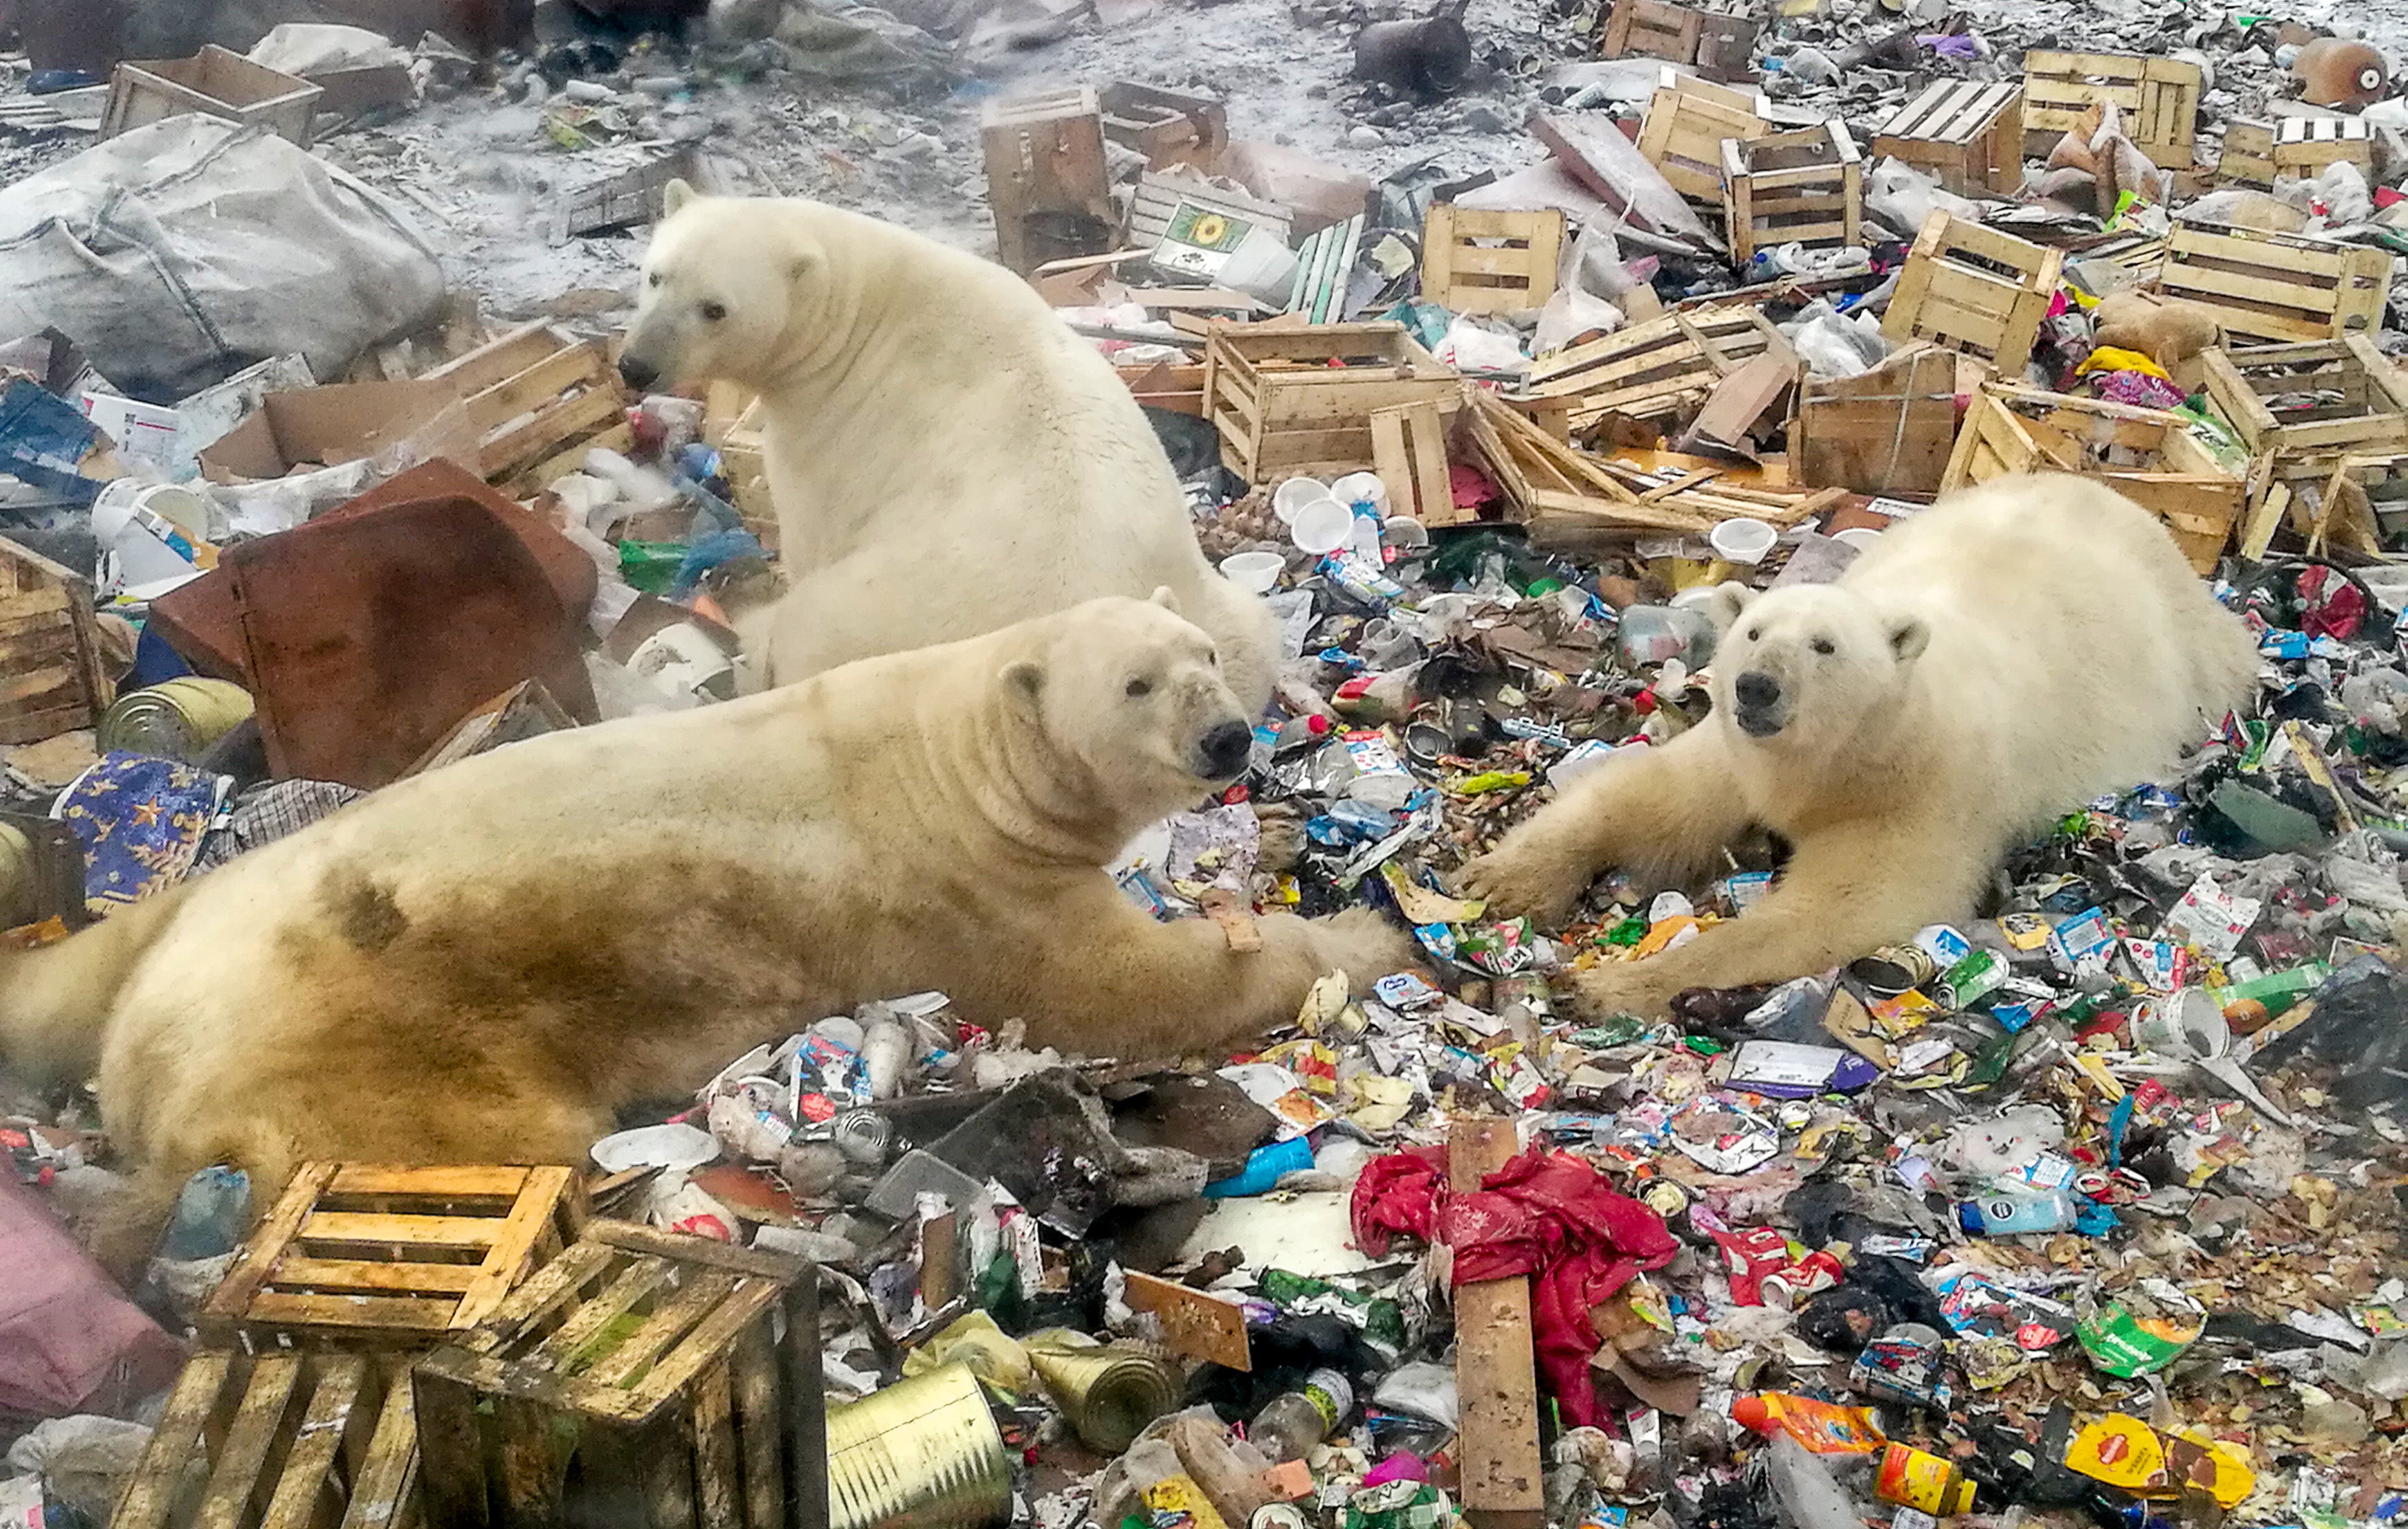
1756 689
640 375
1225 749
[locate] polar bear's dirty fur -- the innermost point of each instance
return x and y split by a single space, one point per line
485 963
1988 666
945 455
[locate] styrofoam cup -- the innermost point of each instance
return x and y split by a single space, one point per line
1321 525
1861 537
1294 495
1743 539
1256 572
1360 489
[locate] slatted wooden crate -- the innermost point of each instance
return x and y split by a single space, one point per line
1805 187
1299 400
1658 370
2248 154
1969 135
1477 262
51 679
2158 99
2147 455
1972 289
217 82
641 1377
286 1439
733 425
2277 286
2300 410
2306 147
1047 179
539 400
1686 124
1409 452
1722 44
363 1252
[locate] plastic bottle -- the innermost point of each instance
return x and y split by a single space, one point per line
211 1211
1292 1422
1805 1492
1912 1479
1823 1427
2000 1214
1651 634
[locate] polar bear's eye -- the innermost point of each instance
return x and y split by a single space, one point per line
1754 633
713 312
1823 645
653 280
1139 687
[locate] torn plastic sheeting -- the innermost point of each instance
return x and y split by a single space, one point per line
1548 1215
181 252
68 1341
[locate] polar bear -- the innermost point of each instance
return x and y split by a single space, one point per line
1989 665
945 455
483 963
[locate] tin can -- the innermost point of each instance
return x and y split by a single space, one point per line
177 718
1893 968
1108 1393
924 1454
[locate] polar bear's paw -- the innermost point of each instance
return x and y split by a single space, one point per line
1523 877
1626 987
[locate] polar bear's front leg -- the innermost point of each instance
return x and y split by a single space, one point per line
1663 812
1846 892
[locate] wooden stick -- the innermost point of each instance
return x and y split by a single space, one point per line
1496 1374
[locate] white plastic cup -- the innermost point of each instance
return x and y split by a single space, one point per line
1360 489
1743 539
1403 530
1861 537
1321 525
1256 572
1294 495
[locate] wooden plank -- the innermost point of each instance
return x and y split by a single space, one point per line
299 1271
257 1259
1195 1322
399 1313
539 384
638 1279
309 1492
497 360
512 1250
718 1481
1494 1362
361 1226
547 429
150 1494
667 1323
705 1344
235 1490
384 1489
448 1183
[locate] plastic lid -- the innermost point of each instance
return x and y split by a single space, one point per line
1968 1216
1750 1413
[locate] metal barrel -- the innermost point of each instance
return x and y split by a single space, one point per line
1109 1394
177 719
1427 56
921 1454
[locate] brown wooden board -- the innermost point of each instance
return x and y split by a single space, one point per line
1195 1322
1888 431
1496 1375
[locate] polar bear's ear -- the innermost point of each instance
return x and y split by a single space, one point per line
675 195
1166 599
1730 598
1024 683
1909 636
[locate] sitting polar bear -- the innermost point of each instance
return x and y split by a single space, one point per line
483 962
945 455
1989 665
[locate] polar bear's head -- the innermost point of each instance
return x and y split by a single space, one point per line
1811 665
722 288
1132 693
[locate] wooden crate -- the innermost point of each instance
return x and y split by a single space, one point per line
1475 261
2248 154
217 81
539 400
365 1253
1805 187
2158 99
286 1439
2277 286
1686 124
1973 289
1658 370
1721 45
744 461
2305 145
2301 409
1409 452
1886 431
1046 177
673 1379
1969 135
51 679
2364 504
2147 455
1167 127
1282 408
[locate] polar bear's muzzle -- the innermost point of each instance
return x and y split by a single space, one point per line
1222 752
1756 704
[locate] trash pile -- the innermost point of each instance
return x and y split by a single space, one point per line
2087 1207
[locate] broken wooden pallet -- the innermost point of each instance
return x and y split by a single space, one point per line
2285 286
539 400
1969 135
2158 99
1654 370
1973 289
364 1252
2300 410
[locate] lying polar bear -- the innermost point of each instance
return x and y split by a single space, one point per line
945 455
483 962
1988 666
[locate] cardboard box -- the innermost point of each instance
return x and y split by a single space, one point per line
321 427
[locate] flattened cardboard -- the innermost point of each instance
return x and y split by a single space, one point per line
1195 1322
321 427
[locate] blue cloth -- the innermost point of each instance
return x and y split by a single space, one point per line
141 821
